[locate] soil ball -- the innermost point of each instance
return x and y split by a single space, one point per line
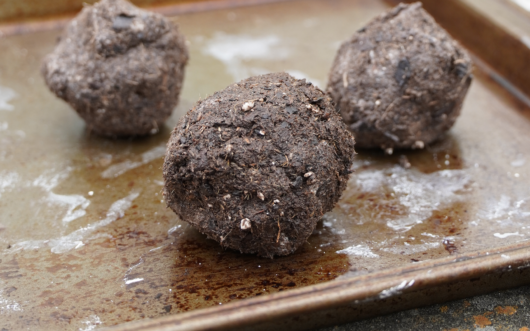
400 81
256 165
120 67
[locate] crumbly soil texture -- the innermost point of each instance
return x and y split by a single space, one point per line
255 166
119 67
400 81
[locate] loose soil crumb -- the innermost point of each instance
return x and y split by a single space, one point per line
256 165
119 67
400 81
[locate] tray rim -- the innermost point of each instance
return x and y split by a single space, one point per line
363 288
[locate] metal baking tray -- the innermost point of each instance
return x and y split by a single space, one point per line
87 241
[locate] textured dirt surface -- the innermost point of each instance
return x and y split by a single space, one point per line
400 81
119 67
255 166
502 310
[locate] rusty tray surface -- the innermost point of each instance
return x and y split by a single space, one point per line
87 241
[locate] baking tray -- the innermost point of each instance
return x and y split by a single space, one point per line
87 242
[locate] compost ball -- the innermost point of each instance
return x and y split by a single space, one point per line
119 67
400 81
255 166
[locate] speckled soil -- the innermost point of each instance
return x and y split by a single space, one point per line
119 67
400 81
256 165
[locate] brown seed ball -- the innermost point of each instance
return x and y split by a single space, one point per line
119 67
256 165
400 81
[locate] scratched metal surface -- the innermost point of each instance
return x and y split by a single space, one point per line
86 239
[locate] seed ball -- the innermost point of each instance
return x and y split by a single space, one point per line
273 205
400 81
119 67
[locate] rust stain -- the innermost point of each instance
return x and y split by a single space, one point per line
466 304
488 313
81 283
53 301
10 270
444 309
508 310
45 293
481 321
524 328
64 266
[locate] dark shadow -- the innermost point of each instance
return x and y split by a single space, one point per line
443 154
200 273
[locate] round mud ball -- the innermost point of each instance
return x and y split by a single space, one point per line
119 67
400 81
256 165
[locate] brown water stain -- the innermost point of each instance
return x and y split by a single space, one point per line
64 266
53 301
204 274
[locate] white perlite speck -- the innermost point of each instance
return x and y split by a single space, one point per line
245 224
